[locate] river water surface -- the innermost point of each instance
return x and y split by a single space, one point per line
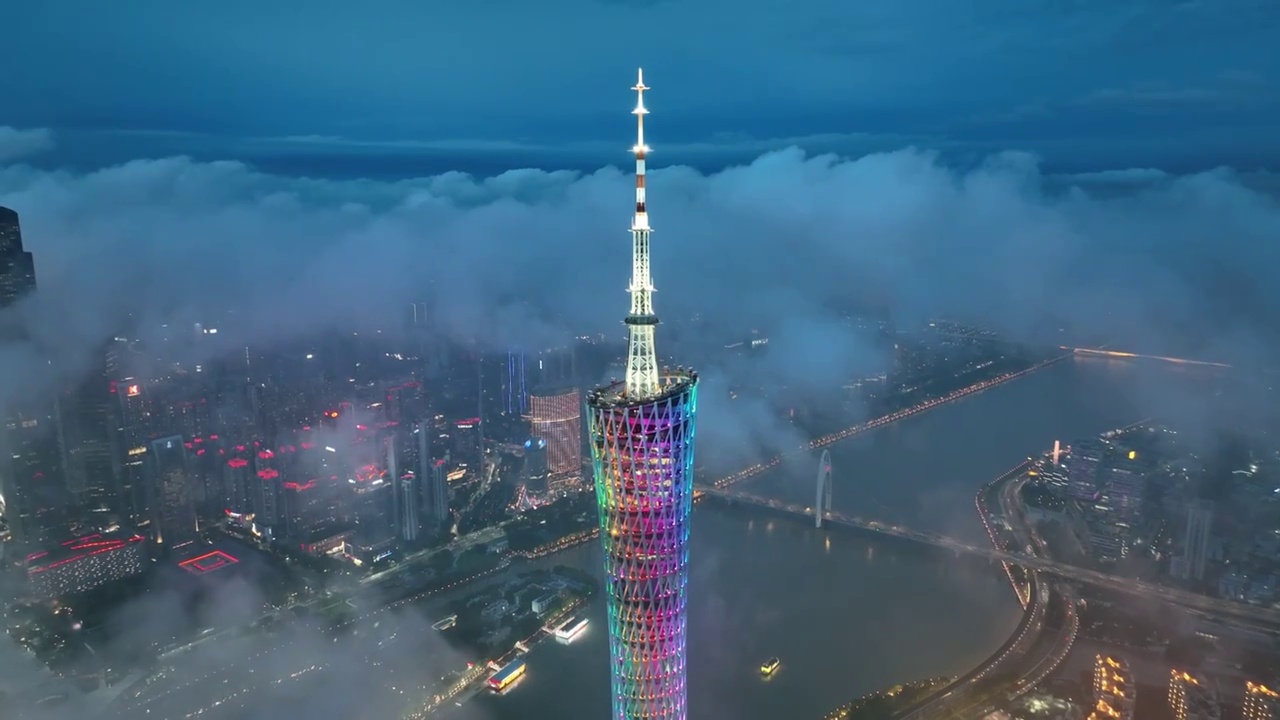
847 614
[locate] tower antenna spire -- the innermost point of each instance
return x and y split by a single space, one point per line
641 434
642 359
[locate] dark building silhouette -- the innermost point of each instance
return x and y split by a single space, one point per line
173 505
17 266
31 472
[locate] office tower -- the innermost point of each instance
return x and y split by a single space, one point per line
468 447
404 401
435 494
556 416
1193 697
1082 469
433 482
133 430
172 501
31 481
17 266
1114 690
85 416
555 367
642 453
237 479
1260 702
534 471
1123 481
372 494
267 484
1195 541
416 315
401 447
515 393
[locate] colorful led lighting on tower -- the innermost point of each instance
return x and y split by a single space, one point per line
642 450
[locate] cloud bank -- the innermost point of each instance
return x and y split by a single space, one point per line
786 245
15 143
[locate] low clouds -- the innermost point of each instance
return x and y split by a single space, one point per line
783 244
15 143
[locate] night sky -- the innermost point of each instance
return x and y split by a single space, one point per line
395 88
1097 167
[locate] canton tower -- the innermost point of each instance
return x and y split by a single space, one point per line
641 431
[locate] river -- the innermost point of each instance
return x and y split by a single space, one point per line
849 615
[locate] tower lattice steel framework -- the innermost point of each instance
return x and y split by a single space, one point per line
642 432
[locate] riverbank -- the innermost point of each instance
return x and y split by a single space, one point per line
888 703
862 427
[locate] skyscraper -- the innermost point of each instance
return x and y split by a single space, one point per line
433 480
31 476
1195 541
17 266
556 416
515 393
31 480
642 452
172 501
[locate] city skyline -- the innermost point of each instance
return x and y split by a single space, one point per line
322 397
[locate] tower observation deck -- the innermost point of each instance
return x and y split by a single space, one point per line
641 432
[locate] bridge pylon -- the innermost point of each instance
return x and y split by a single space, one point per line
822 503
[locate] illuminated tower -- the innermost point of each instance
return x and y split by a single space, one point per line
641 432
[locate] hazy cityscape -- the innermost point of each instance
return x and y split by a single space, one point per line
325 413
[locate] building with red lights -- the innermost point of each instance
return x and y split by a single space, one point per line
136 418
556 417
237 474
85 563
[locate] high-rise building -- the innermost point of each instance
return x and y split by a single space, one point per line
1193 697
468 446
1260 702
1195 541
1124 482
85 419
1082 469
435 494
1114 690
31 477
402 449
642 451
17 266
534 471
515 392
134 430
555 367
238 479
172 491
556 416
32 481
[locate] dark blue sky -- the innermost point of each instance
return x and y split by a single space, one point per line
406 87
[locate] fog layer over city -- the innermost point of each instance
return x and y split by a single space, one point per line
787 244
